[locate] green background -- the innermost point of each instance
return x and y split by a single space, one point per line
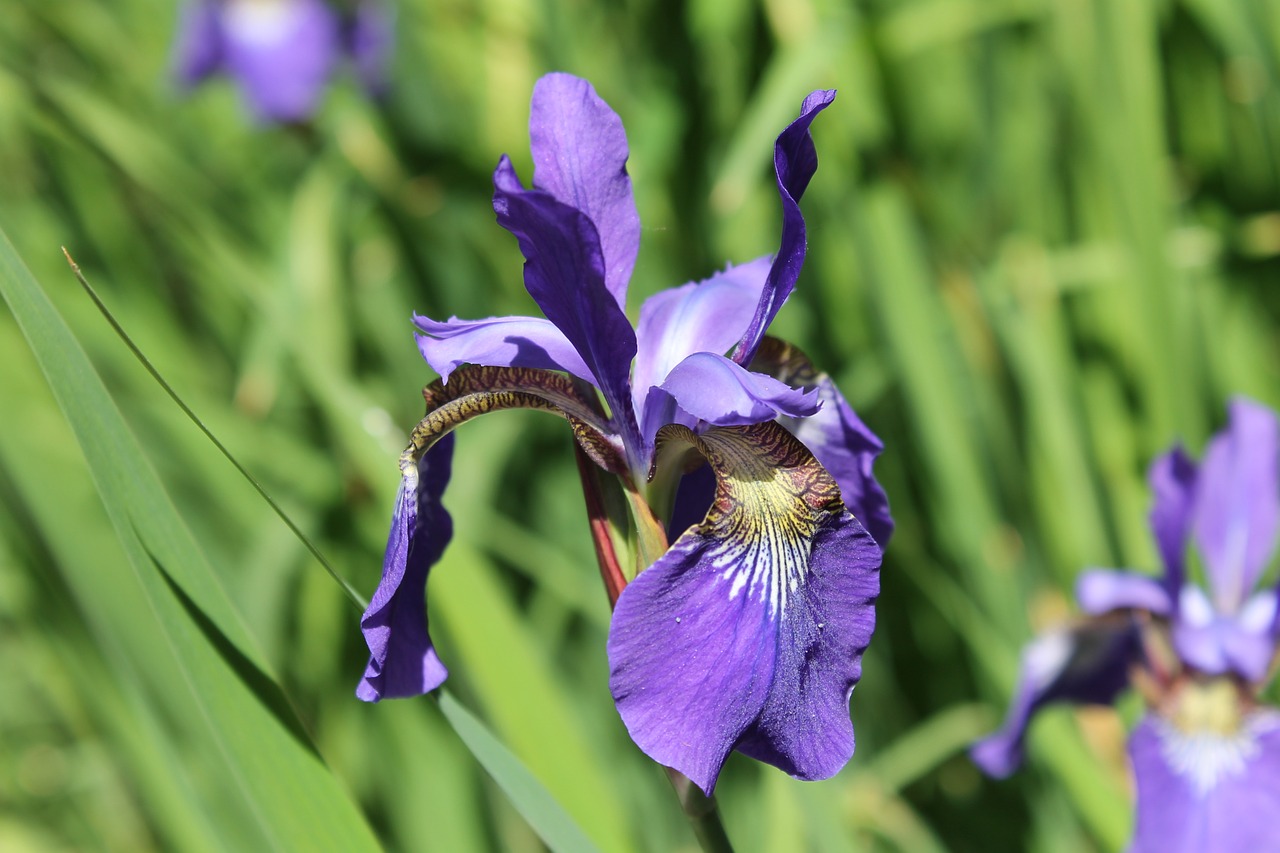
1044 241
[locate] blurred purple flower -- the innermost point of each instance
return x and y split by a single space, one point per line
282 52
1207 755
747 633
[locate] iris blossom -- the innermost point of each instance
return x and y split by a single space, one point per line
1206 757
747 632
282 52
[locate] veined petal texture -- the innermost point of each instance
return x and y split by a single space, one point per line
1207 790
835 434
748 633
580 155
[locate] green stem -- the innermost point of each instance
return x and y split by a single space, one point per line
703 815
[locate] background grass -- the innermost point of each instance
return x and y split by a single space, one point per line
1044 243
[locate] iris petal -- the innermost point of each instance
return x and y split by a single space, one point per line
497 342
1238 502
835 434
1202 791
712 388
703 316
1088 664
580 154
371 38
1173 481
402 660
282 53
795 159
749 631
199 50
1102 590
564 273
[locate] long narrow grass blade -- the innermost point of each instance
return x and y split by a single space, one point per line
195 655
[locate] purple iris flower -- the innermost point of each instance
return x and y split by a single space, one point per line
282 52
1206 757
747 633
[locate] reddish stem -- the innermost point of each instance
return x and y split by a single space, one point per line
606 556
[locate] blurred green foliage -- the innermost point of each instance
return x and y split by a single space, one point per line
1044 241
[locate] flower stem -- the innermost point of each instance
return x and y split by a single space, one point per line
703 815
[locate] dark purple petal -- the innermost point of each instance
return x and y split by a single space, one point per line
704 316
1204 791
372 36
714 389
1088 664
1100 591
402 661
282 53
694 494
1217 643
847 448
564 273
1173 481
795 159
804 728
198 46
1238 502
749 631
497 342
580 157
690 666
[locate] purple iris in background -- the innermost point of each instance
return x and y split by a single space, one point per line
747 632
1206 757
282 52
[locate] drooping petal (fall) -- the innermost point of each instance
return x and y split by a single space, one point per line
795 159
1237 510
580 155
402 660
748 632
1207 790
703 316
282 53
1088 665
497 342
564 273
